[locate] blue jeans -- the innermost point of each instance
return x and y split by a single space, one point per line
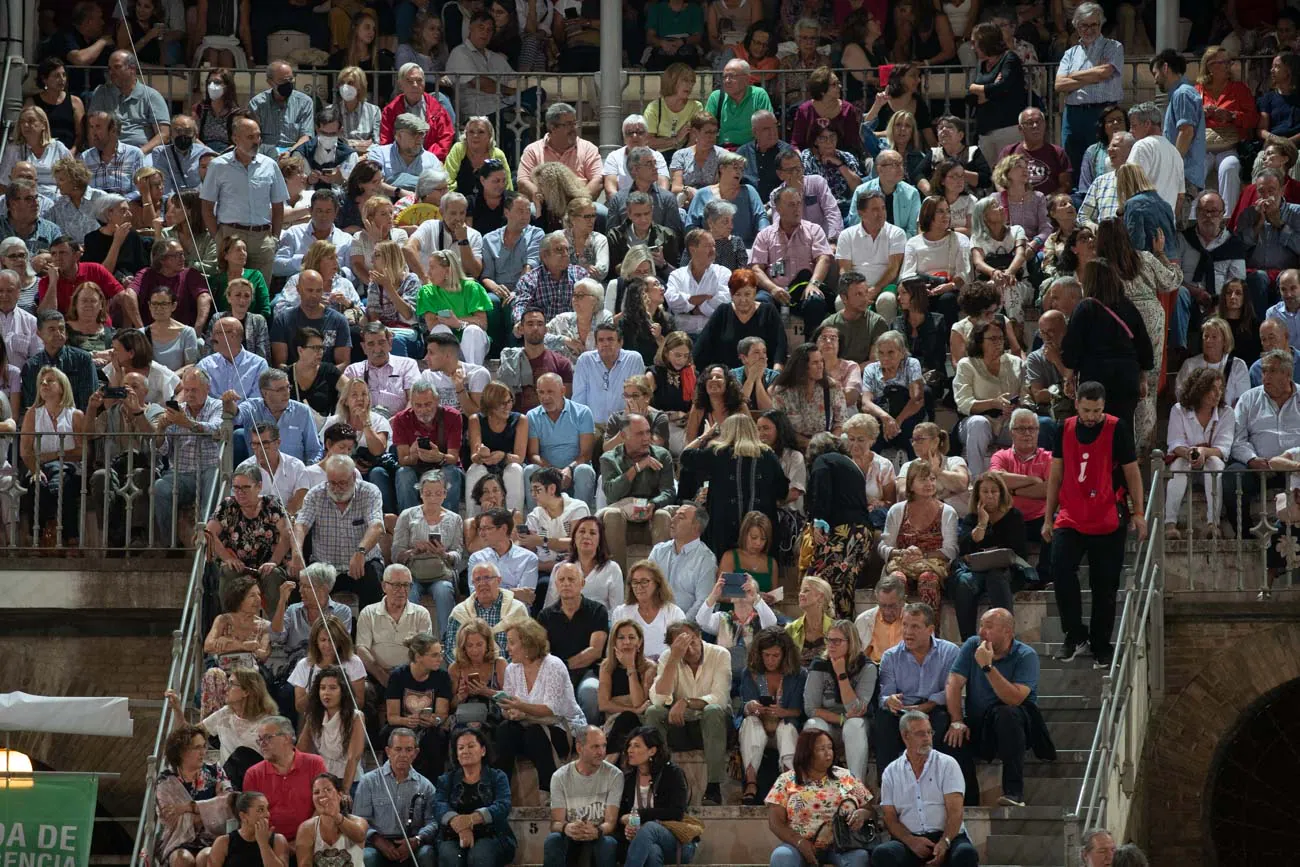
487 852
187 486
1078 130
587 694
965 587
786 855
655 845
559 851
1263 292
381 479
407 343
444 597
408 492
424 857
584 486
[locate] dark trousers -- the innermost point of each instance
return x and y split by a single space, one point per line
965 587
533 742
1001 732
1034 533
366 587
1105 555
1249 482
896 854
889 743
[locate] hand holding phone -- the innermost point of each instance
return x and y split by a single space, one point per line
733 585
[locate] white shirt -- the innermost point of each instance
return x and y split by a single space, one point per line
919 800
603 585
871 255
431 237
1236 378
616 165
656 629
711 683
304 672
1186 430
290 478
383 637
1162 162
682 285
18 328
476 379
541 523
465 63
162 382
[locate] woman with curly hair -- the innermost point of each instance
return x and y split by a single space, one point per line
187 781
646 318
558 186
1201 427
771 703
717 396
808 395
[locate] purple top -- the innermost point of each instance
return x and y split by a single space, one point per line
819 205
1030 216
848 124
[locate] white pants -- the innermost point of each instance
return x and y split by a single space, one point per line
514 483
1228 166
754 739
474 343
854 737
1178 487
676 440
980 440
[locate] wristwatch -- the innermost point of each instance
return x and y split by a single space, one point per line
463 243
843 675
361 549
986 668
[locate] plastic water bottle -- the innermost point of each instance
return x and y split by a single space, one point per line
634 819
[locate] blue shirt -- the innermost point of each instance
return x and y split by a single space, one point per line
1291 320
180 168
1078 58
244 194
1257 371
1283 112
239 377
379 792
1186 108
905 204
751 217
600 388
140 111
917 681
297 428
43 235
557 441
398 171
283 123
1020 665
518 566
506 266
117 173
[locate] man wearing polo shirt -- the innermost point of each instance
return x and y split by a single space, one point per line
561 435
561 144
244 194
793 251
274 406
141 110
112 162
231 367
285 776
428 437
599 375
1024 467
311 312
389 377
857 324
383 627
734 105
874 248
65 256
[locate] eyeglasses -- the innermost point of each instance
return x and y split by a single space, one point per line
837 640
266 739
404 585
242 489
1022 428
590 216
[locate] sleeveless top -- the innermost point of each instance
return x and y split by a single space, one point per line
929 539
222 18
498 442
330 746
343 853
48 428
243 853
732 23
63 126
1088 496
762 579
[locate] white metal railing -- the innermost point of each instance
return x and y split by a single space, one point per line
1131 689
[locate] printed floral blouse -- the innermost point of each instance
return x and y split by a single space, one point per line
811 806
252 540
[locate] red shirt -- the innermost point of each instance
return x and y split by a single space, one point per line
445 431
1087 498
289 795
87 272
441 133
1038 466
548 362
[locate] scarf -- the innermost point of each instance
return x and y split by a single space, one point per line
1204 274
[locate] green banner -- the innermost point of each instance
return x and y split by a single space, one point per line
47 820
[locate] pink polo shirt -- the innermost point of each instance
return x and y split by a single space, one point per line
1039 465
798 250
583 158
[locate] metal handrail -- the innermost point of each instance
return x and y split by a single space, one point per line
11 60
187 657
1139 650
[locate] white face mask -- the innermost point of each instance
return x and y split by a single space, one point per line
327 141
347 92
215 90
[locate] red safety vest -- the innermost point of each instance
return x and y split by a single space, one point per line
1088 500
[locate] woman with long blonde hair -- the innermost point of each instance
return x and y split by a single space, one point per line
51 452
902 135
392 294
1145 214
557 185
34 144
734 474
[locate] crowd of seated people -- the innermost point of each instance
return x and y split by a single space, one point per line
469 369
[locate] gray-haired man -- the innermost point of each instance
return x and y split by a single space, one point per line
405 159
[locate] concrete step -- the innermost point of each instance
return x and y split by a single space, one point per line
1025 849
1072 735
1075 681
1052 790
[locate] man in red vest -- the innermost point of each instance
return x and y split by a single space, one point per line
1094 470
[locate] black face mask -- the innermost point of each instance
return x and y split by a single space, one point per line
183 142
284 89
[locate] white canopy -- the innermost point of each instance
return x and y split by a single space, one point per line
93 715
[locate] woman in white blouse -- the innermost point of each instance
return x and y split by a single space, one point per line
940 253
587 247
235 724
542 712
573 332
603 577
328 644
374 433
33 144
1216 352
649 603
987 388
1201 427
431 541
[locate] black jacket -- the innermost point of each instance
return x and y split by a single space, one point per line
670 791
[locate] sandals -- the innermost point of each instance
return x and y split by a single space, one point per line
751 798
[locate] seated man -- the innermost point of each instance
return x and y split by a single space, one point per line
508 253
921 795
690 700
561 435
428 437
645 171
1270 229
880 627
1268 424
77 364
451 233
913 677
1211 257
291 624
764 149
330 158
187 286
640 228
69 272
1287 311
857 323
310 312
397 803
635 470
516 564
405 159
1101 199
488 602
902 200
459 383
819 206
578 628
549 287
112 162
285 775
292 418
295 240
599 375
999 675
286 115
688 564
178 159
187 433
17 326
585 797
389 376
548 532
699 287
383 627
124 457
1272 335
522 367
1045 369
617 166
1024 468
563 144
284 477
791 259
348 513
874 248
231 367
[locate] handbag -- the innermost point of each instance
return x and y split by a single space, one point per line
687 829
843 836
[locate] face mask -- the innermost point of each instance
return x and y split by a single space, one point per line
327 141
215 89
284 89
183 142
347 92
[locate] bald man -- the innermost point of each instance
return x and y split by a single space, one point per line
999 675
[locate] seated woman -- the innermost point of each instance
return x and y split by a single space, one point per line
498 437
845 373
999 253
51 452
328 644
649 604
542 713
147 209
807 797
752 555
808 630
235 723
812 399
249 533
923 332
824 157
1201 429
391 295
940 254
654 791
418 696
602 577
116 245
573 332
333 726
975 168
949 183
430 541
477 674
951 472
776 433
837 694
979 303
239 638
893 393
675 386
453 303
1230 119
323 257
175 345
133 353
771 711
625 680
750 217
987 388
1024 205
920 535
487 493
313 379
735 629
472 803
374 433
1064 217
332 835
696 166
862 433
1234 308
993 522
1217 347
252 842
187 785
719 219
1096 159
87 323
240 293
745 316
717 396
587 247
841 517
646 318
184 223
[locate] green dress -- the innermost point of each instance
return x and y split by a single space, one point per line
762 579
261 295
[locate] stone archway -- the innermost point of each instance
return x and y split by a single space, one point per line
1185 738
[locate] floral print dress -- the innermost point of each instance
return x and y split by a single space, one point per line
810 807
928 572
1153 280
252 540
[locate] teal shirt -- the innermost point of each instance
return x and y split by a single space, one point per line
668 24
734 121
